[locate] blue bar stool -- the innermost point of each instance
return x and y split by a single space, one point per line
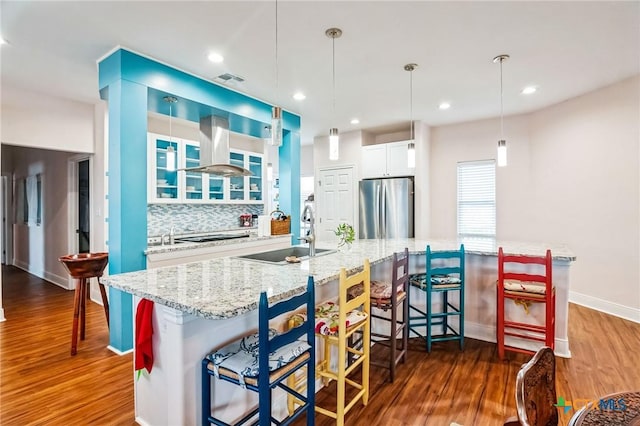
445 274
278 356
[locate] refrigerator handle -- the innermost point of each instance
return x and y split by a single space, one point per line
383 211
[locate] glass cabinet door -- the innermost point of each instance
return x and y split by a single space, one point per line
255 180
216 187
166 165
236 183
193 180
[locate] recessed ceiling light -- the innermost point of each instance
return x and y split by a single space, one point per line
216 58
444 105
299 96
355 121
529 90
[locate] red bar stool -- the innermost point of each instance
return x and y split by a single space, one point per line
83 267
525 287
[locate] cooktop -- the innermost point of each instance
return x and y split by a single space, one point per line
212 237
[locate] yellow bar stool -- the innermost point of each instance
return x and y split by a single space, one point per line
335 324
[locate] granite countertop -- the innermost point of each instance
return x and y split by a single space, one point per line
226 287
190 246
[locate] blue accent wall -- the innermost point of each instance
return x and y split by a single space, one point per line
289 175
133 86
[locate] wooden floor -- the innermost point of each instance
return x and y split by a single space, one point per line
40 383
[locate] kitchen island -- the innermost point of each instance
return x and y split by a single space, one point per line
203 305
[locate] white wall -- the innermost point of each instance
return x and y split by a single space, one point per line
572 178
350 144
306 160
422 180
37 248
41 121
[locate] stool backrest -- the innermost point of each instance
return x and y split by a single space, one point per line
266 313
400 275
347 305
510 268
536 390
453 263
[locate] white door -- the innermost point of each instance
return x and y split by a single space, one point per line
336 202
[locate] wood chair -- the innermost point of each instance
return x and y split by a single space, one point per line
389 296
279 356
525 288
445 274
335 325
536 391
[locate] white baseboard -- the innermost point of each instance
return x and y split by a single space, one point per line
57 280
488 334
141 422
611 308
47 276
2 318
118 352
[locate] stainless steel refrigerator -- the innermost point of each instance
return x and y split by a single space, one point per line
386 208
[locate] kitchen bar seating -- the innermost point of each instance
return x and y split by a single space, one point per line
278 356
525 287
445 274
388 296
335 325
354 316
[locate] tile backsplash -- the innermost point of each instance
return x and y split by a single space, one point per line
188 218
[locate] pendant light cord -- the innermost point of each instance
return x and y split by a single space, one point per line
170 132
333 71
501 107
411 104
277 76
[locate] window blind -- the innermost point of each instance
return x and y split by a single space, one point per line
477 199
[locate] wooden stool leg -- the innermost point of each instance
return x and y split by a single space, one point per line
393 335
76 313
83 306
105 301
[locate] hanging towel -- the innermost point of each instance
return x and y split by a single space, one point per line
144 332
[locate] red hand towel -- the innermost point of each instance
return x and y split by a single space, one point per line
144 332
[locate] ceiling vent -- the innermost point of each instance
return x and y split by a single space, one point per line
229 78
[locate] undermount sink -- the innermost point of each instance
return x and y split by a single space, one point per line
277 257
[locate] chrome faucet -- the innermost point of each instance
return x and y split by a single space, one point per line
172 234
308 216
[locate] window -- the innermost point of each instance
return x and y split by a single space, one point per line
477 199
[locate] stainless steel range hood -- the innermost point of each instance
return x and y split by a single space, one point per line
214 149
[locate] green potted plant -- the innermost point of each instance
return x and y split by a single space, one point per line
346 235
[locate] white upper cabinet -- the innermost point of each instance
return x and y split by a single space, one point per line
386 160
168 184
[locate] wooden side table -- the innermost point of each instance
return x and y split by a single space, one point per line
82 267
618 409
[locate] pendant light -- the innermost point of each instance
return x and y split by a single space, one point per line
269 172
502 143
411 151
334 138
276 111
171 152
